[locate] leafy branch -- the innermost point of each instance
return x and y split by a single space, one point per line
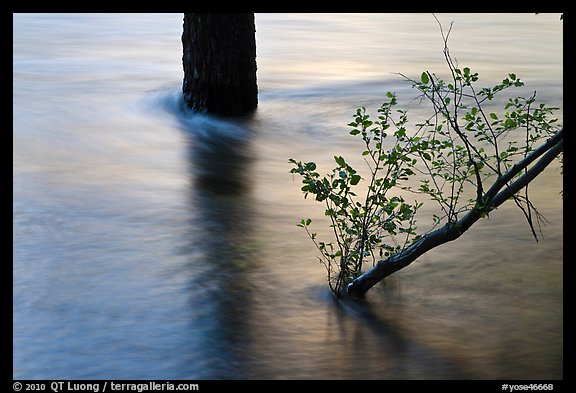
463 157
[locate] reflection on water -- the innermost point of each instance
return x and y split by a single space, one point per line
154 243
220 196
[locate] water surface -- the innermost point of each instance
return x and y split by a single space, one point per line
153 243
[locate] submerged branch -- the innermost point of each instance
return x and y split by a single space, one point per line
501 191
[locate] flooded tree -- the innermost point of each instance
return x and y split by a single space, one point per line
219 60
464 157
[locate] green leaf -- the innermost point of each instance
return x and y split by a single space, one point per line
494 116
400 133
304 223
310 166
355 179
424 78
340 160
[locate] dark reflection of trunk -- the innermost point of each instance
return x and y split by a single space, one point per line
221 166
220 196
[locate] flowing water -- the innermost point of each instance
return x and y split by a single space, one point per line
152 243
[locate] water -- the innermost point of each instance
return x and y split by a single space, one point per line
157 244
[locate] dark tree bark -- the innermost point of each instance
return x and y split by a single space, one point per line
220 63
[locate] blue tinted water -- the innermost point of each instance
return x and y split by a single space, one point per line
153 243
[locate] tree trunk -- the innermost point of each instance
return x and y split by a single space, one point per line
220 63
